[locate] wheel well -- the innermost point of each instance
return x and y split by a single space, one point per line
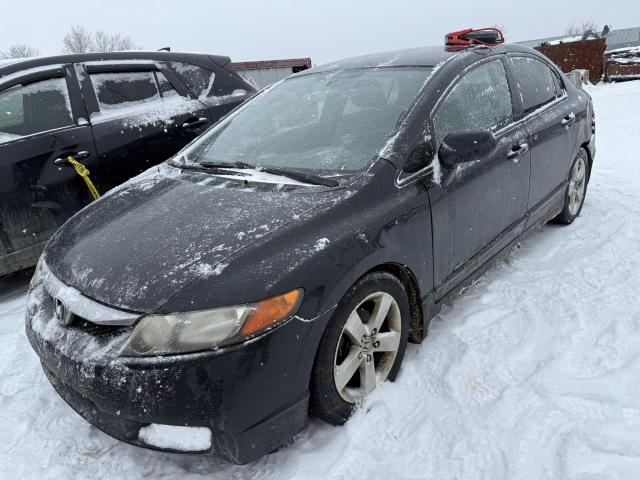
585 146
410 284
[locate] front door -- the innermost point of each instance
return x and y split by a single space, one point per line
40 123
475 202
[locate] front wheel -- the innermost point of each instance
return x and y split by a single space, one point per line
576 189
363 346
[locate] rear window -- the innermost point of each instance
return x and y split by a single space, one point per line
34 108
130 89
535 82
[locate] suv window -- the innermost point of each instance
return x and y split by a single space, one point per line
480 100
119 90
34 108
535 82
165 87
198 80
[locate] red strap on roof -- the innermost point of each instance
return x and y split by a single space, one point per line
475 36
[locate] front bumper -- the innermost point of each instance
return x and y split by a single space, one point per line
253 396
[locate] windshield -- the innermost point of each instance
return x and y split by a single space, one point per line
328 121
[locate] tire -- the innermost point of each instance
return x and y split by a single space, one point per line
381 350
576 189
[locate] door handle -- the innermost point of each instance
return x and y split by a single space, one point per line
568 120
63 162
517 151
195 123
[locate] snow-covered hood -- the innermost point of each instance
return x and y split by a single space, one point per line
146 240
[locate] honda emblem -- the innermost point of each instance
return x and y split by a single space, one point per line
60 312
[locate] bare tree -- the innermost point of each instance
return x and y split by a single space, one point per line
81 40
106 42
78 40
577 29
20 50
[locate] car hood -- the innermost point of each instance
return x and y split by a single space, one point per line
146 240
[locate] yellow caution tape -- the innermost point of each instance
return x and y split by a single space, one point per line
84 173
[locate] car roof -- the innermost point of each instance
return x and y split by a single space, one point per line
419 56
18 64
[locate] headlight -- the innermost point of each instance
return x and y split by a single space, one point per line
206 329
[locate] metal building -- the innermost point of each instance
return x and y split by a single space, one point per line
263 73
623 37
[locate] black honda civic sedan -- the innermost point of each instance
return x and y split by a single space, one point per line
279 264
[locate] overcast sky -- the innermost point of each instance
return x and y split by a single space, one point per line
322 30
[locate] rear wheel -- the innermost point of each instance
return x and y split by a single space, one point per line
576 189
363 346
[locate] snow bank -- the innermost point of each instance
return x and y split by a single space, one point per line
532 374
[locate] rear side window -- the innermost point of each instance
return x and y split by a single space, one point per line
165 87
119 90
481 100
34 108
198 80
535 82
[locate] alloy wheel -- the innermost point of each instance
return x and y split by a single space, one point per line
367 347
577 185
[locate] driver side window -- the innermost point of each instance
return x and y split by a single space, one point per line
481 100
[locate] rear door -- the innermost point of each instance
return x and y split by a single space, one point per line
138 115
478 206
42 118
550 123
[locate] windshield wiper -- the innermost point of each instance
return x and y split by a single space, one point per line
301 176
211 167
190 166
243 165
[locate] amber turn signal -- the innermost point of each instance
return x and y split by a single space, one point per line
269 312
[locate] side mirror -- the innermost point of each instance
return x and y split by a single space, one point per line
466 146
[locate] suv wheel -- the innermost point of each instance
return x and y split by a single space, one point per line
363 346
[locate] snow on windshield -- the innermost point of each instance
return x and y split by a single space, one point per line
325 121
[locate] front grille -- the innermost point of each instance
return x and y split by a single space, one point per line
95 330
72 308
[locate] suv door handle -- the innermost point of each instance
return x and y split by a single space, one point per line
63 162
195 122
517 151
569 119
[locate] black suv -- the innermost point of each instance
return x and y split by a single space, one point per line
117 113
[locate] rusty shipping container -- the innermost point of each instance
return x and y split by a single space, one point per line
619 71
583 54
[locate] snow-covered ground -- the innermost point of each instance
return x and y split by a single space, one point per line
533 374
